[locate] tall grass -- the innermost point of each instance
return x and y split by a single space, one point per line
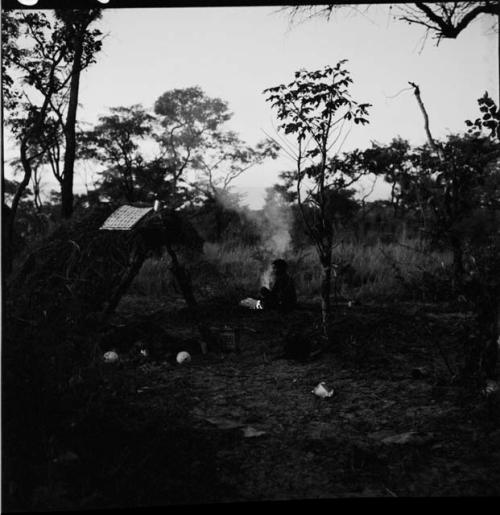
376 271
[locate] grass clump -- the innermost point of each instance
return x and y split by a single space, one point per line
407 269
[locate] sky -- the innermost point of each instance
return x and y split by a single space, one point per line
236 52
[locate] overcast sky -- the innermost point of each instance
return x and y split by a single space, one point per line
236 52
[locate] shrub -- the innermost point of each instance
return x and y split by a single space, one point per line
406 269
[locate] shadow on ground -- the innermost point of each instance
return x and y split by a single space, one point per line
246 426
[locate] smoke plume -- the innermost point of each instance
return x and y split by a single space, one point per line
276 225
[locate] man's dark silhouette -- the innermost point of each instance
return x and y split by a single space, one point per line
281 295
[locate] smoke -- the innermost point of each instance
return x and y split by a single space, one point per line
265 278
275 224
227 199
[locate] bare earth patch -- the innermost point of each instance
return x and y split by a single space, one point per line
246 426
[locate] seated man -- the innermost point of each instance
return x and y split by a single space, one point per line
282 294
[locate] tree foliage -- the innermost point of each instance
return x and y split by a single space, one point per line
192 157
194 142
489 120
10 55
114 142
225 158
314 109
83 43
189 120
458 187
45 56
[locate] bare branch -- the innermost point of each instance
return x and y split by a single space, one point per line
430 139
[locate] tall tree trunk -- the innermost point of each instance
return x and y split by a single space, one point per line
36 191
6 241
6 211
70 132
326 286
15 204
33 130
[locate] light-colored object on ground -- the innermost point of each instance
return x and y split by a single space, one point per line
251 303
125 218
183 357
110 357
322 391
491 387
224 423
400 439
251 432
410 437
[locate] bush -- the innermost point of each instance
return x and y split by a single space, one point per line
406 269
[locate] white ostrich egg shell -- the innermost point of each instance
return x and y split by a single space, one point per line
322 391
183 357
110 356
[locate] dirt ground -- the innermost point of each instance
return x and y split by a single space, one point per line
246 426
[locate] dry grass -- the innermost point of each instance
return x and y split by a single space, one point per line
375 271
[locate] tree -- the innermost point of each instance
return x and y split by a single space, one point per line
315 108
393 163
459 170
466 202
36 177
42 66
480 240
342 206
195 143
48 53
82 44
441 19
225 158
10 55
446 19
489 121
60 46
189 120
455 188
114 142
